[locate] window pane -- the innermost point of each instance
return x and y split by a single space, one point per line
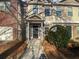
78 29
58 11
69 31
3 6
47 12
69 11
6 33
35 9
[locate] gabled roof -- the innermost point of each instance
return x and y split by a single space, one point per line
34 17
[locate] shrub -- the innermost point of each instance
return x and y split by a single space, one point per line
59 35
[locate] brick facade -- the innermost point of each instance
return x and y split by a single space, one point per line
7 20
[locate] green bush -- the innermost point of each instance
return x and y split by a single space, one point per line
59 36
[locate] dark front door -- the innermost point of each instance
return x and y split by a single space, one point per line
35 31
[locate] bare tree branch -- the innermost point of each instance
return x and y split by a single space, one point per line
12 14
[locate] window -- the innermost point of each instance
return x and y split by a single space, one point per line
78 29
58 11
69 30
3 6
35 9
6 33
70 11
47 12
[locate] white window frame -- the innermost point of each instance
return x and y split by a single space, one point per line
6 33
2 3
69 9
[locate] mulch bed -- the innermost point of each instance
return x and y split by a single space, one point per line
67 53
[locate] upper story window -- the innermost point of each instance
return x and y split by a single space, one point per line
47 11
58 11
35 9
77 27
3 5
70 11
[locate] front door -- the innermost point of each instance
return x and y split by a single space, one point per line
35 31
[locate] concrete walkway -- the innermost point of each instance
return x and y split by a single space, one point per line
34 50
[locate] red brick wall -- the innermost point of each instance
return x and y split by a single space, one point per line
7 20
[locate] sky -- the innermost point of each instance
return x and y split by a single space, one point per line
56 0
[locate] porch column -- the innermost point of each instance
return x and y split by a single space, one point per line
42 30
72 32
28 31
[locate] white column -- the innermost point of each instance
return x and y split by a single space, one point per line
31 33
42 31
72 34
28 31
